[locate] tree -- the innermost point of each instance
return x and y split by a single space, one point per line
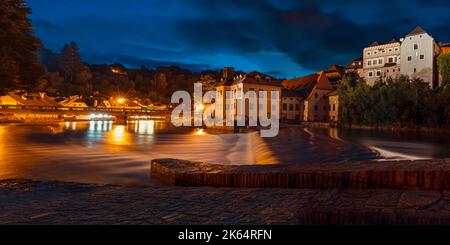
208 82
70 64
19 48
444 68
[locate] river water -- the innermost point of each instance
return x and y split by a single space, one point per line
108 153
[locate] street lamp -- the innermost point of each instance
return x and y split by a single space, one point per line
120 100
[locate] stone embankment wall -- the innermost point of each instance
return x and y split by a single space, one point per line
432 175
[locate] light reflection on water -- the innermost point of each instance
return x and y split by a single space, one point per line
105 152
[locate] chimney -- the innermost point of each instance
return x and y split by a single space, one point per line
227 73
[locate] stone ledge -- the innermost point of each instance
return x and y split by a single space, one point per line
416 175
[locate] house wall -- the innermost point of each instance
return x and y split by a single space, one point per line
375 59
419 62
316 106
244 87
334 108
291 108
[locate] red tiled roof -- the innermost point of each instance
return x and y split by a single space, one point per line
259 78
418 30
301 82
323 82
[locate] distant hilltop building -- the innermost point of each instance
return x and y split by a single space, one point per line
414 56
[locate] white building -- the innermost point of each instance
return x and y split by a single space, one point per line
418 57
381 60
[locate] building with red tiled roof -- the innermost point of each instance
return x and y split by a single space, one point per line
445 48
253 81
312 91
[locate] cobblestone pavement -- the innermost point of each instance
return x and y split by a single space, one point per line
33 202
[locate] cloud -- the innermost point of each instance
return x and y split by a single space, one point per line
289 37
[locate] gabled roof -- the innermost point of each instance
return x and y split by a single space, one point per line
394 40
301 82
305 85
374 44
33 99
418 30
323 82
335 68
256 77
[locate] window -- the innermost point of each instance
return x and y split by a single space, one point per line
316 95
390 50
380 61
324 107
378 73
284 107
375 62
291 107
334 107
297 107
415 70
391 60
370 74
315 108
409 58
416 46
422 56
369 62
368 53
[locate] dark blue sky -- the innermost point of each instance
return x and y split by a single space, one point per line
282 38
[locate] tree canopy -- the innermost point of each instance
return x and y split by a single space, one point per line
20 66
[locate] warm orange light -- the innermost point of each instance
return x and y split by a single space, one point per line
200 131
120 100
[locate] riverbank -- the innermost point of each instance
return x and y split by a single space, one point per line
34 202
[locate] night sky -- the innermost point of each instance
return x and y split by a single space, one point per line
281 38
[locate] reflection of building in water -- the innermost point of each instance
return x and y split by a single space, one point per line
143 127
118 136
